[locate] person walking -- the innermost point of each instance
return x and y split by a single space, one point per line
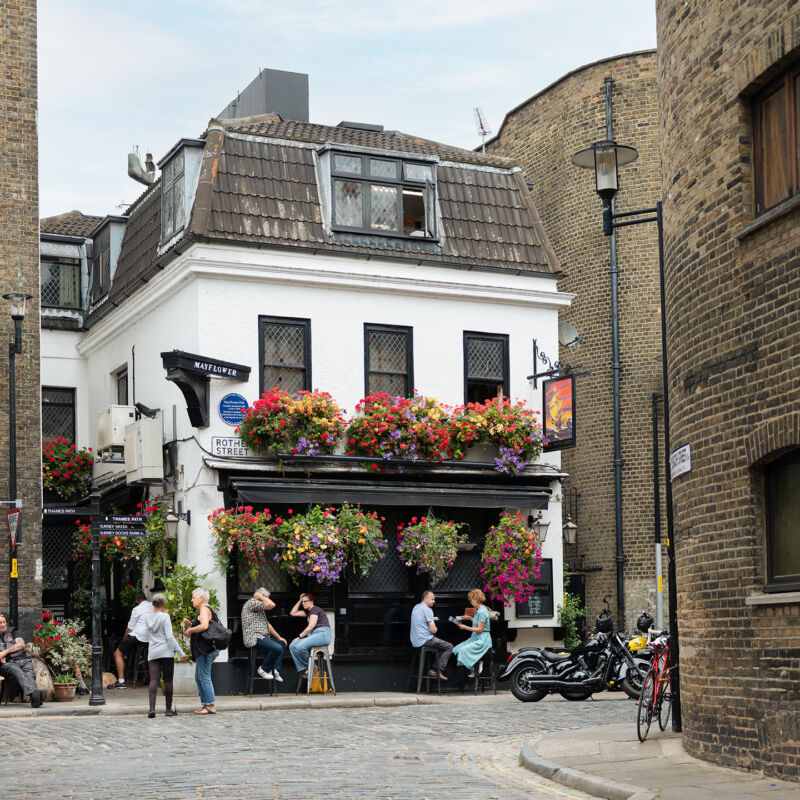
317 632
162 647
203 652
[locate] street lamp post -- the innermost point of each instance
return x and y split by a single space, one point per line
96 698
17 301
605 157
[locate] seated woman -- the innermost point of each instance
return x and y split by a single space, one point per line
316 634
472 650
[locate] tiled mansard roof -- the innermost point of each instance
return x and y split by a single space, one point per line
72 223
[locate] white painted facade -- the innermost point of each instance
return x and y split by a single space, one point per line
207 301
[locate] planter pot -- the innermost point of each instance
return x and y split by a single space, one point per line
183 681
65 691
482 454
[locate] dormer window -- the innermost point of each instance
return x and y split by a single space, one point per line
384 196
101 265
173 200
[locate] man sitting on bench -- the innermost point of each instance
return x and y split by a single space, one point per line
14 663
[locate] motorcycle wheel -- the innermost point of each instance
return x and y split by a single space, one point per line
576 694
519 682
632 682
644 713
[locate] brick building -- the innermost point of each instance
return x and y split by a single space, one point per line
19 272
541 134
727 83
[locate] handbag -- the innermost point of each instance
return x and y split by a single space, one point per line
216 636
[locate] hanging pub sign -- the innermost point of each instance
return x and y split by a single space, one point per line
558 412
540 603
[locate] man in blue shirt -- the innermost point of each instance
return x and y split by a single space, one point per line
423 630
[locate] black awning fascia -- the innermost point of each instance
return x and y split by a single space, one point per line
254 491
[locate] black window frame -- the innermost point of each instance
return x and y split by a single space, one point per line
58 404
63 262
366 179
403 330
298 322
171 173
499 337
777 583
785 84
120 375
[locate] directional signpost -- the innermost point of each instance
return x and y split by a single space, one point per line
104 525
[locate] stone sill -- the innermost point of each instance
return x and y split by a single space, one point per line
768 216
772 599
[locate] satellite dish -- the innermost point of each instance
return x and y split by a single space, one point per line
568 335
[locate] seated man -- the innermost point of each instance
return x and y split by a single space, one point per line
14 663
257 632
423 632
135 634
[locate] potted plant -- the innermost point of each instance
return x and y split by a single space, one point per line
399 428
311 544
308 423
511 560
248 533
510 427
66 470
64 649
430 544
180 582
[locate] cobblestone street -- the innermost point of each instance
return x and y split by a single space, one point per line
465 748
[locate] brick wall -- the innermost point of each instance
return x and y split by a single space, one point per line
733 343
19 271
541 135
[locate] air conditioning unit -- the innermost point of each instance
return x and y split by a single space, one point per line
144 461
111 424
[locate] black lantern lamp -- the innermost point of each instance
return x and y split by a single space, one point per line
605 158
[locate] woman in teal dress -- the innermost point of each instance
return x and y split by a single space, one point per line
471 651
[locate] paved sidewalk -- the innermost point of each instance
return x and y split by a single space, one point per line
611 762
120 702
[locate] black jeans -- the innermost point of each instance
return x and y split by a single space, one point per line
20 670
445 650
159 667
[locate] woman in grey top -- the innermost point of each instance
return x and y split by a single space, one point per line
162 647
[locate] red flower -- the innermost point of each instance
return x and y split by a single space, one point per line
36 639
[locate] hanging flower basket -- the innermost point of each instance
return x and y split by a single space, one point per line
510 427
430 545
363 537
511 560
399 428
248 533
66 470
308 423
311 544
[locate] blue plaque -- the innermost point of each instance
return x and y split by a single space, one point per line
232 408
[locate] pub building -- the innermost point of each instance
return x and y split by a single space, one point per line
350 259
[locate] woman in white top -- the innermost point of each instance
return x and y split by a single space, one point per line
162 647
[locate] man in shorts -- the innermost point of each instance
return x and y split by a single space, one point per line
135 634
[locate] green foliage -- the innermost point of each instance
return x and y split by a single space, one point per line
62 646
569 614
179 584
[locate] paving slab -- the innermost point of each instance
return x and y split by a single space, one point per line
610 762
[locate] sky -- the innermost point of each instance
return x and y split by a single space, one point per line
115 75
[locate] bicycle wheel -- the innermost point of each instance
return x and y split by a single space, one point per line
664 708
644 715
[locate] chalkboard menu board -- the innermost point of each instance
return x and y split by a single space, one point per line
541 602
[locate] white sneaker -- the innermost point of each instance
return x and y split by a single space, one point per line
267 675
277 676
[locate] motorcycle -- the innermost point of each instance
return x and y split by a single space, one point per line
601 662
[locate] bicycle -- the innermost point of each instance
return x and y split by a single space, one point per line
656 697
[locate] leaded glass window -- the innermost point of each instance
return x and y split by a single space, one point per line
485 366
173 202
61 282
285 346
58 413
386 196
388 360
